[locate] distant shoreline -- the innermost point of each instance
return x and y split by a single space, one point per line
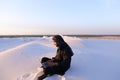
80 36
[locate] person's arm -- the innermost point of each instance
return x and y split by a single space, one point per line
66 58
50 63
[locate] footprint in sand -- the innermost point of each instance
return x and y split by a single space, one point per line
32 75
39 72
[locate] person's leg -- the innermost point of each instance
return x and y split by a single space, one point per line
53 70
45 59
42 77
49 71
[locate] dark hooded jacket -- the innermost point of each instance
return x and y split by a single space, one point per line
63 58
64 53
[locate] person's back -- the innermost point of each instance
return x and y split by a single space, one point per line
61 62
63 57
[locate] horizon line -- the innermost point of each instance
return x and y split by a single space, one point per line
76 35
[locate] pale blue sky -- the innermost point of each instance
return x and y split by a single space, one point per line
59 17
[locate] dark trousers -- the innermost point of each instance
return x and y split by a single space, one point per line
45 59
52 70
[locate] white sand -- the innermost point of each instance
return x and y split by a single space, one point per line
93 59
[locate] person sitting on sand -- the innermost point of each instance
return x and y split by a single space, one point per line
61 62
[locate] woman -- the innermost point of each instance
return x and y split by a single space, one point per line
61 62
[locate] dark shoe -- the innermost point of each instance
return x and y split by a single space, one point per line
42 77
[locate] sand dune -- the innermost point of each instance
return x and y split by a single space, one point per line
93 59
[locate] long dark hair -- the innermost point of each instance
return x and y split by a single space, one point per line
62 44
60 41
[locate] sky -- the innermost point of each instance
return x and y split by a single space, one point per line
24 17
